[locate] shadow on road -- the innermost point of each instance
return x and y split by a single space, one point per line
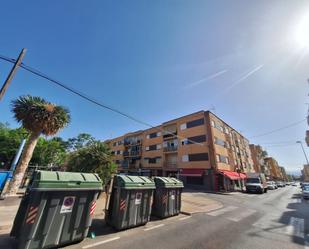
7 242
294 222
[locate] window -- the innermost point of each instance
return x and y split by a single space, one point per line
227 145
154 147
113 152
195 139
212 123
114 144
222 159
218 141
194 123
119 142
153 135
183 126
198 157
153 160
185 158
220 128
226 130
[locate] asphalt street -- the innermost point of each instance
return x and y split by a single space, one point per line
278 219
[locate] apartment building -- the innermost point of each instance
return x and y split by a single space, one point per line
275 172
305 173
258 156
284 176
200 148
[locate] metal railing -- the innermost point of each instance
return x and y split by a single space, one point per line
170 148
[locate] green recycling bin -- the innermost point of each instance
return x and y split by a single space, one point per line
131 201
56 210
167 197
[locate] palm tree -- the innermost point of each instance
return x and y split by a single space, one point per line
38 117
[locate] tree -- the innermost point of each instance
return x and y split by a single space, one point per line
83 139
10 140
95 157
49 152
38 117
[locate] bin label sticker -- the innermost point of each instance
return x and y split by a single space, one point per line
68 204
122 205
33 211
173 195
138 198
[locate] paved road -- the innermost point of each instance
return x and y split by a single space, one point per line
276 220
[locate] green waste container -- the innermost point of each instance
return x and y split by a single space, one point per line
167 197
130 202
56 210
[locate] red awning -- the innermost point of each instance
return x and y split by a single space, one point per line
243 176
191 172
233 175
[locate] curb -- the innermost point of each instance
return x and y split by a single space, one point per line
186 213
213 208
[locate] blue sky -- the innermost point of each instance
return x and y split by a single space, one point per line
158 60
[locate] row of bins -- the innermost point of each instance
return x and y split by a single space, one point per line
58 207
135 198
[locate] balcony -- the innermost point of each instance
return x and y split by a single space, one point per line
170 149
134 154
132 142
170 165
169 135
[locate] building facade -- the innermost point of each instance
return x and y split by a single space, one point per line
275 172
200 148
305 173
284 176
258 157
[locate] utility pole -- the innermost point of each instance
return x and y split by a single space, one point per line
12 73
301 144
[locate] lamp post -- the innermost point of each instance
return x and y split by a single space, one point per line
301 144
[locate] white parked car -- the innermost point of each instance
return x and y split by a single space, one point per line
271 185
306 192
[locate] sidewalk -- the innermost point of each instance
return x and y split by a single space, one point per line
192 202
198 202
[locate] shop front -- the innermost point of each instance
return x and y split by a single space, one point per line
230 181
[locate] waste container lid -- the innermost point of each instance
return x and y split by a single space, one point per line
133 182
168 182
51 180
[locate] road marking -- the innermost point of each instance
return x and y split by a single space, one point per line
306 238
296 227
100 242
186 217
222 211
154 227
242 215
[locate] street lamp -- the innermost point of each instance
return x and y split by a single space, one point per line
301 144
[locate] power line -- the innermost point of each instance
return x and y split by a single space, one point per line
92 100
98 103
278 142
280 145
280 129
